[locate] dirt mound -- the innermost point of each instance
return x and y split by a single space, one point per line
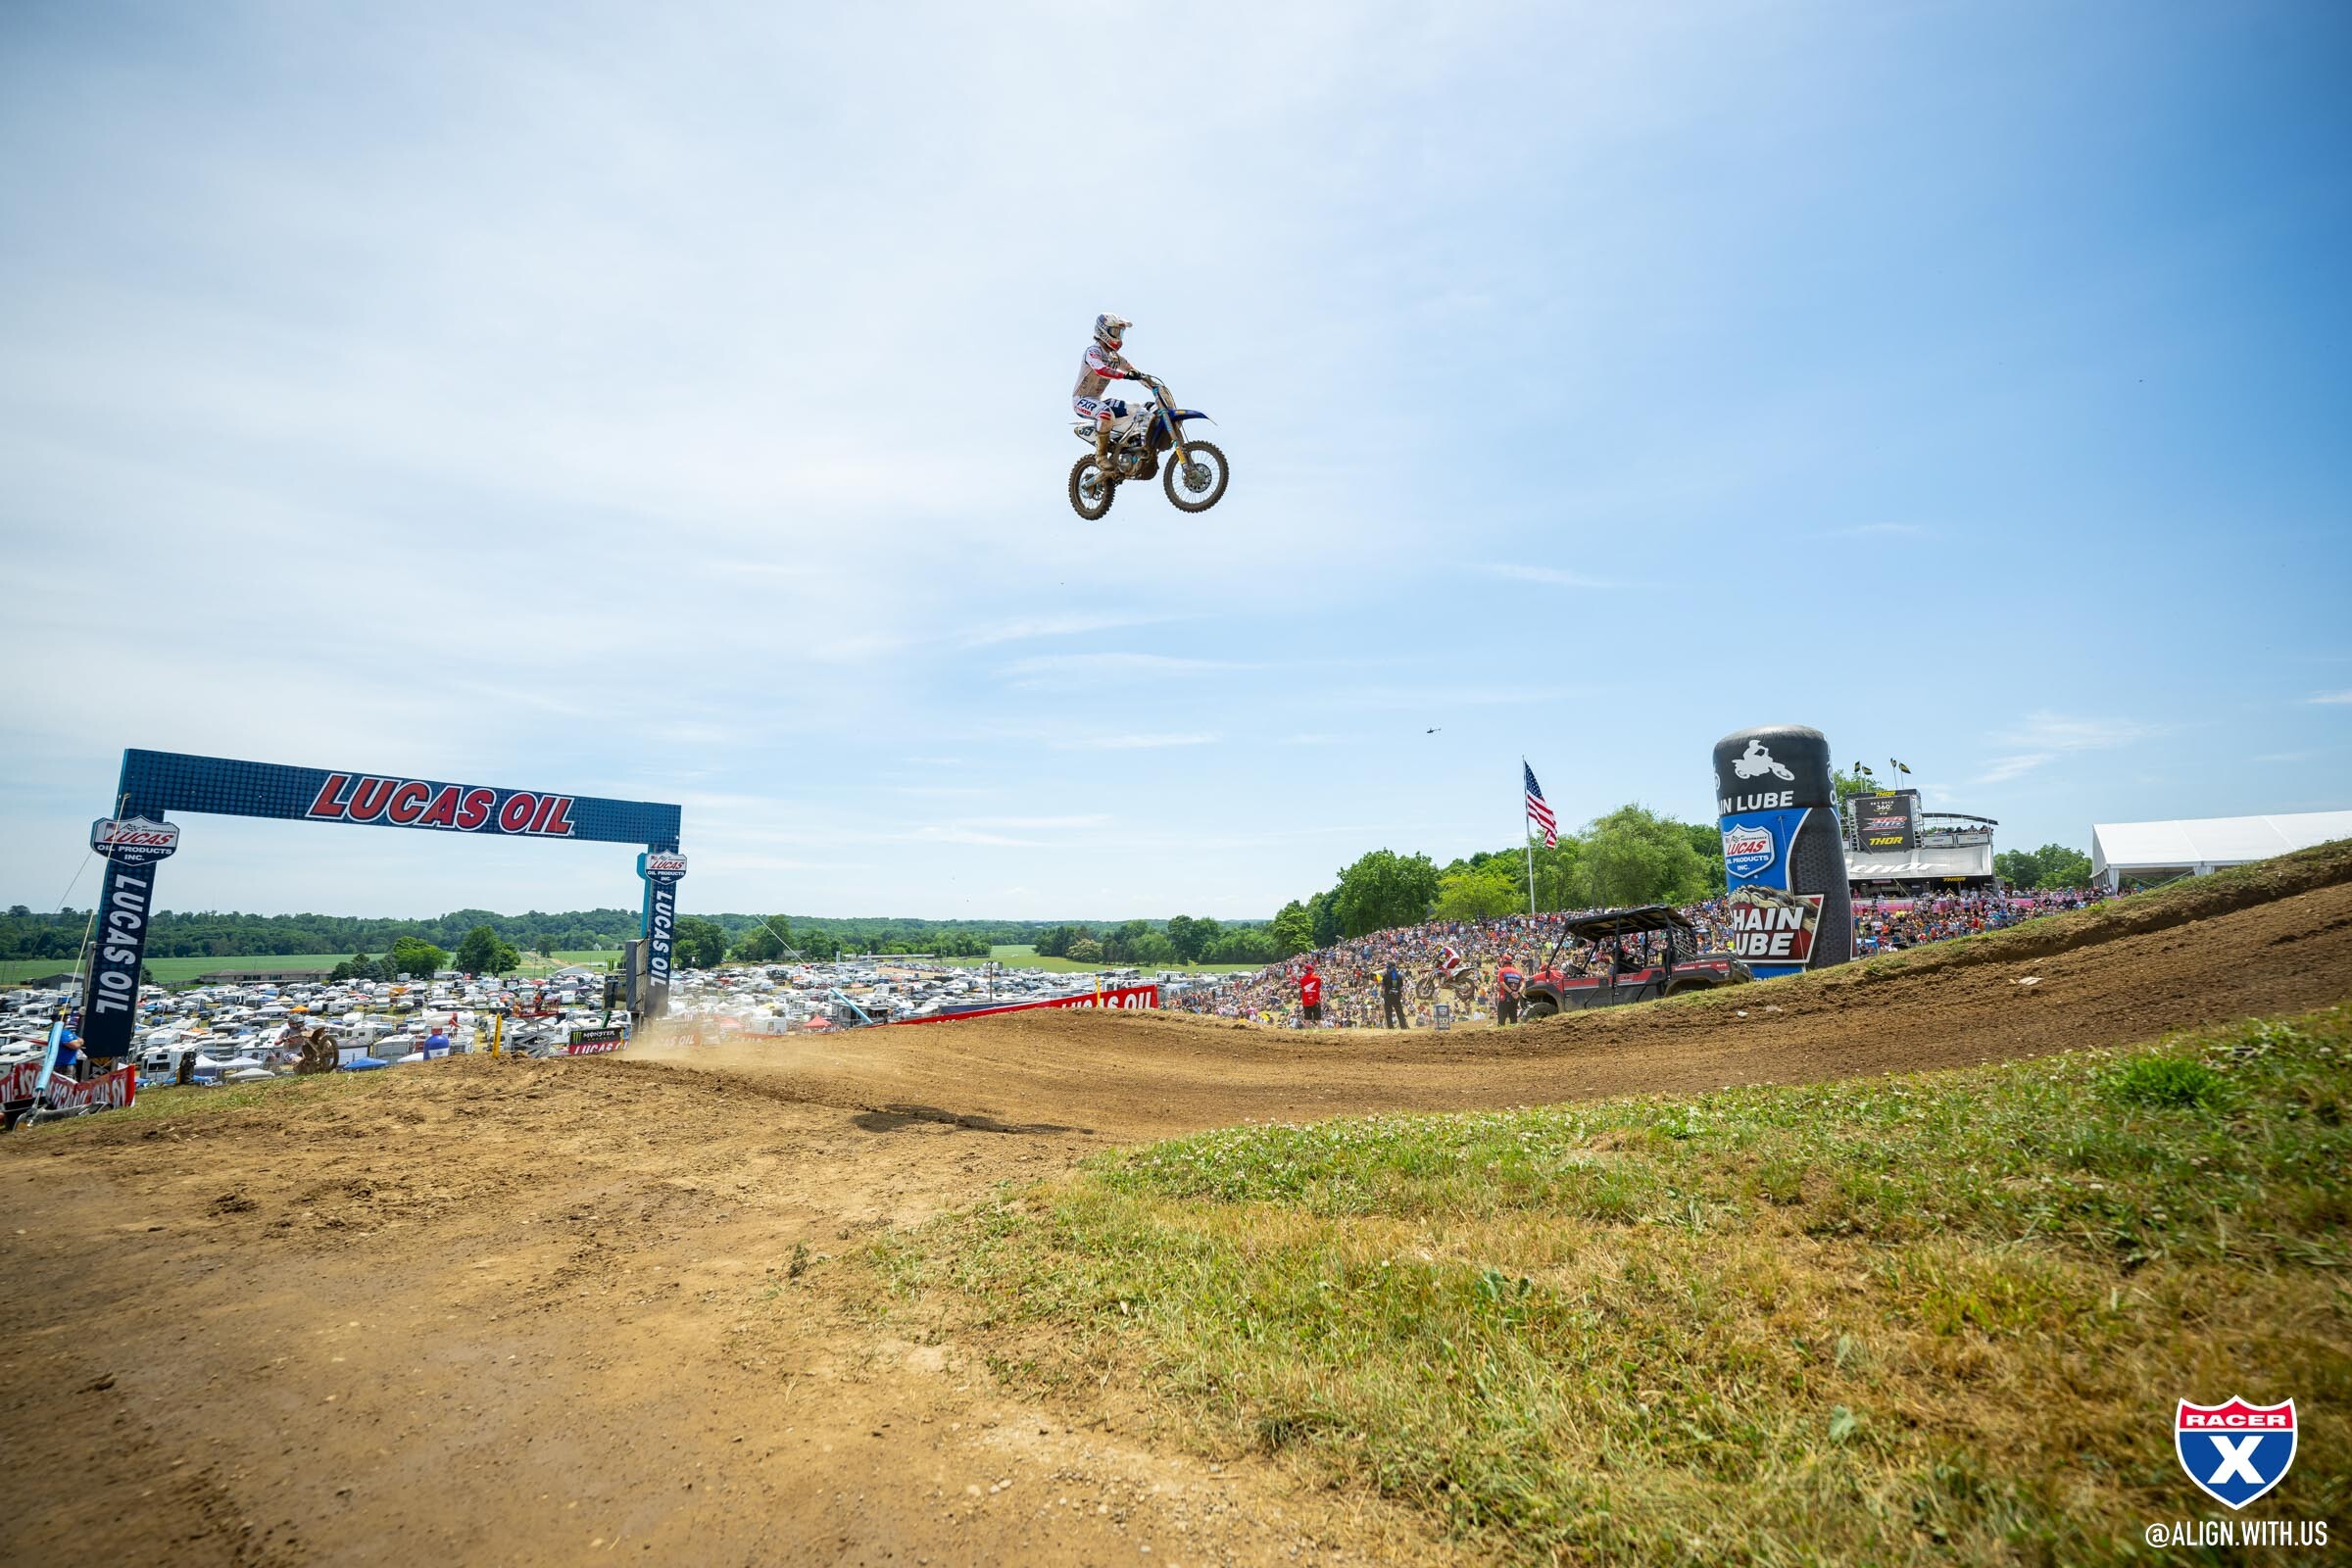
2268 938
544 1311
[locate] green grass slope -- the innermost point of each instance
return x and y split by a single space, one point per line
1934 1319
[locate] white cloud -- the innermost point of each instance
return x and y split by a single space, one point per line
2043 737
1133 743
1068 625
2001 769
1549 576
2060 732
1083 670
2330 699
1884 530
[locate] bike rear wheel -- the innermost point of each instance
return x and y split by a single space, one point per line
1197 483
1092 491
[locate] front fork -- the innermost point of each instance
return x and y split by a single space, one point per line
1175 425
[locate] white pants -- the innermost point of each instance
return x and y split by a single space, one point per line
1104 412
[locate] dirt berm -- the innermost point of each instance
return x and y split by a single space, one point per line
2257 939
560 1313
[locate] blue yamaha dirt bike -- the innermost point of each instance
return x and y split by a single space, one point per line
1195 474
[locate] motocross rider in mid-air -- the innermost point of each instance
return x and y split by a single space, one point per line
1100 366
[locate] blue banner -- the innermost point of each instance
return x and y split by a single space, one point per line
156 782
1773 923
662 872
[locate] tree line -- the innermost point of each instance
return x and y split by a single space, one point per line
215 934
1629 857
1632 856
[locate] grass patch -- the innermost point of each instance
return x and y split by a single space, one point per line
1938 1319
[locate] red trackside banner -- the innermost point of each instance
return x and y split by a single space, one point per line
117 1088
1125 996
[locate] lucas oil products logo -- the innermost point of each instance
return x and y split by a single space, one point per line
1770 926
459 808
133 840
659 866
1747 847
2235 1453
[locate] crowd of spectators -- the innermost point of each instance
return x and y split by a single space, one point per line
1888 926
1459 962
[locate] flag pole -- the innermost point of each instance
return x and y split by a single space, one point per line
1526 841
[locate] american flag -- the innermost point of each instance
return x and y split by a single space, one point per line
1538 811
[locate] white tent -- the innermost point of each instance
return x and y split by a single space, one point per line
2153 852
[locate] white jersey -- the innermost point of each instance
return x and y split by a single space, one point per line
1098 371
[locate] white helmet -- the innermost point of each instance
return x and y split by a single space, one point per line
1109 329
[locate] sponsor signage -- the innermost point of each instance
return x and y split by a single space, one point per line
369 798
133 841
157 782
1120 996
662 872
102 1093
1747 848
1888 821
591 1042
109 999
16 1083
1770 926
1783 849
2234 1453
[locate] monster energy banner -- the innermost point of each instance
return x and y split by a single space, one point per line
1784 851
1888 821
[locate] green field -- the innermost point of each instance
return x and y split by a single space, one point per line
179 971
1930 1319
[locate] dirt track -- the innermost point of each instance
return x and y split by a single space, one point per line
549 1313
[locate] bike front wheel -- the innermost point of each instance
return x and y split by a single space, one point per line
1091 490
1197 483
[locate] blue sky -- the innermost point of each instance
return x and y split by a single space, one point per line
672 403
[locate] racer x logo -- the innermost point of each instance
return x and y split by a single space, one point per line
2237 1451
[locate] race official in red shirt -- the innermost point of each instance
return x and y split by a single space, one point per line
1311 997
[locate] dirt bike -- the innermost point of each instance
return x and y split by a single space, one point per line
1194 477
1455 973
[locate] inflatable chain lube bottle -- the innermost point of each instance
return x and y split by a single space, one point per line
1783 849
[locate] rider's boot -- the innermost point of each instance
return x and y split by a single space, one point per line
1102 445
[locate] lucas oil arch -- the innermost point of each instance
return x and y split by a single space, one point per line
139 836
